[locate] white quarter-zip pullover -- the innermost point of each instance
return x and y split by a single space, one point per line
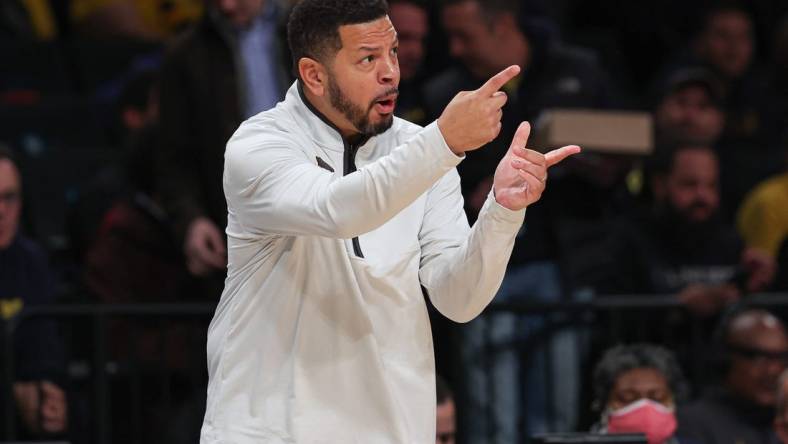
321 334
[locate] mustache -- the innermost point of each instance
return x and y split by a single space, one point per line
391 91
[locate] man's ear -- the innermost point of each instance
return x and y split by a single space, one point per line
313 75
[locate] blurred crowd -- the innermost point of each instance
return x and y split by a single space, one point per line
114 116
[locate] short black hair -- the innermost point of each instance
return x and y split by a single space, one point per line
313 27
683 78
623 358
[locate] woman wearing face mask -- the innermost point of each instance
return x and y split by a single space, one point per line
635 389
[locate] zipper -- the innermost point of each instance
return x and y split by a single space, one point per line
350 152
350 166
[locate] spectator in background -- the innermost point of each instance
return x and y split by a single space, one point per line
763 220
751 353
726 41
762 217
688 109
781 416
132 255
135 123
636 389
486 37
747 148
411 20
681 245
446 429
152 20
25 281
227 69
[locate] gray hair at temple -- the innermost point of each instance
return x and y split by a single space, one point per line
623 358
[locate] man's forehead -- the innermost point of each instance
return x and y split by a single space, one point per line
376 32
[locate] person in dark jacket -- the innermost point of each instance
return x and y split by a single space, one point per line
228 68
25 281
485 37
751 351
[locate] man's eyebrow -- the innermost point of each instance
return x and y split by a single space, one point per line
377 47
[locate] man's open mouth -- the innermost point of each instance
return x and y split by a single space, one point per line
386 104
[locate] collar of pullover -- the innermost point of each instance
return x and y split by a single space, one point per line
321 129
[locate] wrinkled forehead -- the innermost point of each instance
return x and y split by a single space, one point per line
372 34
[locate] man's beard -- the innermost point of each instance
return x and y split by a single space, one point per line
679 226
355 114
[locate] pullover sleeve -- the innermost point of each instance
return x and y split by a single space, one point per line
461 267
273 187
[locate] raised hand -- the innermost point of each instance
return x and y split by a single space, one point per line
473 118
522 173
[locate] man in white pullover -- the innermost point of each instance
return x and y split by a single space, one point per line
338 213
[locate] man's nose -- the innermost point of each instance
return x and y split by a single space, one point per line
390 70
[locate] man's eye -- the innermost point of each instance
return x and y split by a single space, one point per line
367 59
395 51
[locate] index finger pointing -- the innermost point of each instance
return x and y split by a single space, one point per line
555 156
497 81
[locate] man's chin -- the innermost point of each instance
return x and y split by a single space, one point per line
386 122
380 125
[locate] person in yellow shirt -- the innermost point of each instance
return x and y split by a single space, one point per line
763 223
763 217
